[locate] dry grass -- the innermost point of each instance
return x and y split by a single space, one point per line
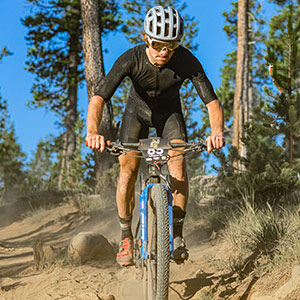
270 237
37 215
87 204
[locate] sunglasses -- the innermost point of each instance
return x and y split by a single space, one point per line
162 46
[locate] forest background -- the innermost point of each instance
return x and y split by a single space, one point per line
43 108
54 52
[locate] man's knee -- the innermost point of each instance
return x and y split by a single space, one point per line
128 169
127 175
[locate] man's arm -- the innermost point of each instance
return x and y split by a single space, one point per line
94 116
216 119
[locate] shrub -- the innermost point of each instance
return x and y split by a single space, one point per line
257 230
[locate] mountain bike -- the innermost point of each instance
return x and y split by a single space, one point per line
153 241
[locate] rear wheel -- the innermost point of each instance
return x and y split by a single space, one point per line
157 266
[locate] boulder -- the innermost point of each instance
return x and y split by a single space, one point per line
89 246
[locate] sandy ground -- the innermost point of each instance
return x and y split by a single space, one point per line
101 280
96 280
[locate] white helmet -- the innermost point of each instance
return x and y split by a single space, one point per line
164 24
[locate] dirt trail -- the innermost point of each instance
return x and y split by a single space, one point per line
103 280
20 281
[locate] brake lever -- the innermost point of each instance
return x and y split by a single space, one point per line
114 150
199 148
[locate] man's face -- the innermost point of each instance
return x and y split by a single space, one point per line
161 52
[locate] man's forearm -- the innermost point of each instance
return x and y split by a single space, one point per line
216 118
94 114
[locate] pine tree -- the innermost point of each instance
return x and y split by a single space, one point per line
272 173
256 75
78 164
41 174
55 57
284 59
11 157
98 19
94 13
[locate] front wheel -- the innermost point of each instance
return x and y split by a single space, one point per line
158 244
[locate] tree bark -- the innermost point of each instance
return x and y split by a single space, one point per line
62 164
92 44
94 71
69 139
290 134
240 111
71 116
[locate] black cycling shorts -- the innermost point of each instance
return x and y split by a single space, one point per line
136 125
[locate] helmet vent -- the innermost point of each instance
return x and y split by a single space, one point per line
174 31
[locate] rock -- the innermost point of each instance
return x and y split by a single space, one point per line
88 246
38 254
46 254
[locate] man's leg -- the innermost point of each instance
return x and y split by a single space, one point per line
129 167
125 203
180 191
174 129
180 185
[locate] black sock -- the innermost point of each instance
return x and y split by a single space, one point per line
125 224
178 220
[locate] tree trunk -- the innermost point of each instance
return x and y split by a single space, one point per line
71 118
250 94
291 134
69 140
62 164
92 44
94 71
240 110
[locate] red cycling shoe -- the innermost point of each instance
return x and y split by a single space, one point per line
125 254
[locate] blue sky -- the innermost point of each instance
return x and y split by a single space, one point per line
16 83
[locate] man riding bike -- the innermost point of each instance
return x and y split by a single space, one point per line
157 70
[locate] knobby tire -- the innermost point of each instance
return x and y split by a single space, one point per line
158 268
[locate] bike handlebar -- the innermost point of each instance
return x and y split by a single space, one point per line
155 150
201 145
173 145
120 148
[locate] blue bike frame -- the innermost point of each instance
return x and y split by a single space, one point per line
144 198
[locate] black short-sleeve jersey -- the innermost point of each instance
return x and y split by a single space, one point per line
158 87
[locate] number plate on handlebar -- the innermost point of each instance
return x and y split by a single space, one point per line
155 149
